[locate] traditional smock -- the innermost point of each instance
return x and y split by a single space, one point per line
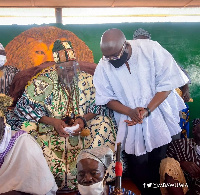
23 167
152 70
44 96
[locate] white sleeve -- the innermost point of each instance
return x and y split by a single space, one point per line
104 90
168 76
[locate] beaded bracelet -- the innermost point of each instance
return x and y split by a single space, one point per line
84 120
148 110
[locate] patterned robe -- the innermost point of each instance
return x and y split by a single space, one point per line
6 79
184 122
44 96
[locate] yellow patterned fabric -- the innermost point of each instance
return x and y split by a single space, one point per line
44 96
180 93
173 169
5 101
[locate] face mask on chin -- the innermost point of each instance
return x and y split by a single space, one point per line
2 60
121 61
94 189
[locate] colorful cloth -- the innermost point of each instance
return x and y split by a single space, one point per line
184 122
24 168
124 191
152 70
184 150
44 96
6 79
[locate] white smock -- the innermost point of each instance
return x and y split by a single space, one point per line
153 69
25 169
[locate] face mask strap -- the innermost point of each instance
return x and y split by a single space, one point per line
105 178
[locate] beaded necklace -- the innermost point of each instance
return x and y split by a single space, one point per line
72 94
71 91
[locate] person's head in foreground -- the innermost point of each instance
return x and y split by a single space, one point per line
114 47
65 59
5 130
91 166
141 34
2 55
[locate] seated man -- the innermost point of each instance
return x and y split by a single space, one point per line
58 97
92 167
186 151
23 168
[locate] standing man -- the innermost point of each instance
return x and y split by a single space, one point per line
137 79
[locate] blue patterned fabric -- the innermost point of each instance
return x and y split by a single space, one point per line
184 122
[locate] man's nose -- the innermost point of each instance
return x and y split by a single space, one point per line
88 178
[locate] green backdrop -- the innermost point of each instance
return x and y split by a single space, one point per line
182 40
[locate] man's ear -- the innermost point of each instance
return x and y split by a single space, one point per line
127 46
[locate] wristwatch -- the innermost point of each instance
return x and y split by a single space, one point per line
148 110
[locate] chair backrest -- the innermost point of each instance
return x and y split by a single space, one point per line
34 47
31 51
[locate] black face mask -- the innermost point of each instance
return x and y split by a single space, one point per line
121 61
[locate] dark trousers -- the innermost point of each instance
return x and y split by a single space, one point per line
144 170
